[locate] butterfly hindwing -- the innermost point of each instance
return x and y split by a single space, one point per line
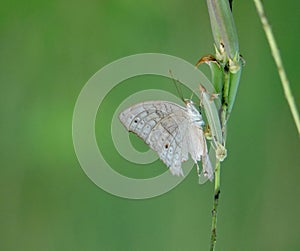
166 140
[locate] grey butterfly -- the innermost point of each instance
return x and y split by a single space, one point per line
171 130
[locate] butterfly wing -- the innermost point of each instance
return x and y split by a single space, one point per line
163 126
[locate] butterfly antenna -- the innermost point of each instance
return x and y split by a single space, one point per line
193 93
177 86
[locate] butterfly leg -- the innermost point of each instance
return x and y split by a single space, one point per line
207 132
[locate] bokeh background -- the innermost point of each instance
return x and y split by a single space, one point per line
49 49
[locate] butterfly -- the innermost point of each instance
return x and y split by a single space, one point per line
173 131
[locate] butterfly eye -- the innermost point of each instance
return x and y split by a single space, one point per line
166 146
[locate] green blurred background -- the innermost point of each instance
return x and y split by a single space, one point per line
48 52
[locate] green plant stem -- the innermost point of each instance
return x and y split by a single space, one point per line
279 64
225 92
215 207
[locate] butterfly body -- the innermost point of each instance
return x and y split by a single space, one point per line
171 130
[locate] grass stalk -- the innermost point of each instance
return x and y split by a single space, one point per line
278 62
215 207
